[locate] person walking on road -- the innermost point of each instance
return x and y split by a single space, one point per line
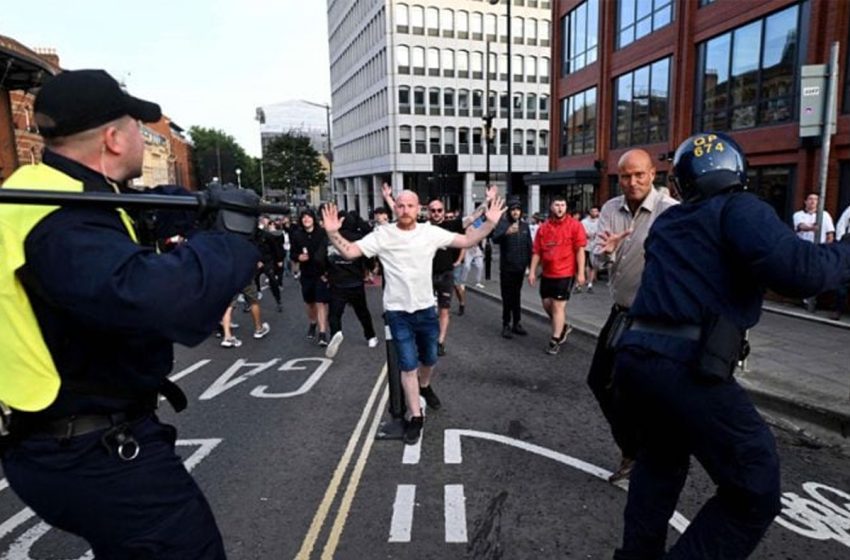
95 317
590 223
309 250
708 263
514 240
446 261
624 223
406 250
559 248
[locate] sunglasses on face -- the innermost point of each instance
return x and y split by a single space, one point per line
436 210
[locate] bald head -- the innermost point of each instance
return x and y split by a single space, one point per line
408 197
406 209
636 173
637 155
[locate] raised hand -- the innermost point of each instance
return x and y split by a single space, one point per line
495 209
330 218
611 241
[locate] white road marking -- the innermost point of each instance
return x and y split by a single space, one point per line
183 373
20 549
260 391
402 522
412 452
224 382
455 508
452 456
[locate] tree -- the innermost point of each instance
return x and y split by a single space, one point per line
217 154
290 163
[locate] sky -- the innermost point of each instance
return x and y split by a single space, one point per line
209 63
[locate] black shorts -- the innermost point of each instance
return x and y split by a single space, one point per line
556 288
315 290
443 286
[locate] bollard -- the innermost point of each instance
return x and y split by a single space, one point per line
488 258
392 427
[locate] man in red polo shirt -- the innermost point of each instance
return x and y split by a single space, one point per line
559 247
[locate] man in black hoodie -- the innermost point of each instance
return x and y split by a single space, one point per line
346 279
309 250
514 240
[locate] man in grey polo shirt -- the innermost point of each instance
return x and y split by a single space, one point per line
624 223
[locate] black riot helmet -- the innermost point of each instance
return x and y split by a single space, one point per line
708 163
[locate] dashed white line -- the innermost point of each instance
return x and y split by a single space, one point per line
455 506
402 522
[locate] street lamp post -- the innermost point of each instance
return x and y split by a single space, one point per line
510 98
238 177
329 154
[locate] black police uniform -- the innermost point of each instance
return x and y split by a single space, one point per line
110 311
708 262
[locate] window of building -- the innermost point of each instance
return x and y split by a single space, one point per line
518 138
543 69
463 140
543 29
432 21
580 37
531 69
578 123
518 68
433 62
490 26
435 140
449 102
419 101
417 20
492 66
477 25
403 59
518 30
404 135
638 18
449 63
543 143
641 105
530 31
477 103
463 102
402 18
503 66
449 146
846 103
462 64
462 24
774 185
503 28
419 140
504 105
477 138
419 61
748 76
705 3
404 100
492 103
518 106
434 101
544 107
530 141
503 141
447 22
530 106
477 65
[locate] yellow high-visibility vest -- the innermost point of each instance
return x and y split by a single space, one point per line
29 380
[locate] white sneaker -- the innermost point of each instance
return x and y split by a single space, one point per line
333 345
480 286
231 342
372 342
262 331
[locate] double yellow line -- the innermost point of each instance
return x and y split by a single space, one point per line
334 487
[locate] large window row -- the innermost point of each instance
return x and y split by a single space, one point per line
371 73
578 123
449 63
580 37
749 75
363 114
639 18
478 26
373 144
641 105
349 22
451 102
366 39
466 140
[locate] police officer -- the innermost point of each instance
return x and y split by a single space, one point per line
95 316
708 262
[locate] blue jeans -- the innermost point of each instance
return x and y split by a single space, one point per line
415 337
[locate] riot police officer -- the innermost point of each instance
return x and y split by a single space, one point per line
708 262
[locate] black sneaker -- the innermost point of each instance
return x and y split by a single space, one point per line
413 429
553 347
324 339
566 330
506 332
430 397
279 307
518 329
441 349
461 309
311 332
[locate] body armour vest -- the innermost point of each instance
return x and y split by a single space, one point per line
29 380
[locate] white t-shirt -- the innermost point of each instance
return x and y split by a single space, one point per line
842 228
406 257
590 227
803 217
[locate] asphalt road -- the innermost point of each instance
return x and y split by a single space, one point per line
512 467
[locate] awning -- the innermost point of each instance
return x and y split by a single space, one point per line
21 68
563 177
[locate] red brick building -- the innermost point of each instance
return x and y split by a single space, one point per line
649 73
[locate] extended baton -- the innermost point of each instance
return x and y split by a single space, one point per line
195 201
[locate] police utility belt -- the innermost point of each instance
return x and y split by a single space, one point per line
721 344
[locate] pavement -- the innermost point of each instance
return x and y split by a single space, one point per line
797 368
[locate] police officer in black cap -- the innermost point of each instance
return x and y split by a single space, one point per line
97 315
708 263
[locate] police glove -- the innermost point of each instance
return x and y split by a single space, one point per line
229 208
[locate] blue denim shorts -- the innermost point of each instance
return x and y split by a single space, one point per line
415 337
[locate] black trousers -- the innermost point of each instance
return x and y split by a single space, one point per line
511 287
357 298
600 379
270 270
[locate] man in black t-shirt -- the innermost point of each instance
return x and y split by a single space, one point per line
445 261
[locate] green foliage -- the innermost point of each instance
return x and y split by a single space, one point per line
290 162
216 154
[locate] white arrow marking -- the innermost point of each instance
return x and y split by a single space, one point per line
402 522
224 382
452 456
181 374
455 507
